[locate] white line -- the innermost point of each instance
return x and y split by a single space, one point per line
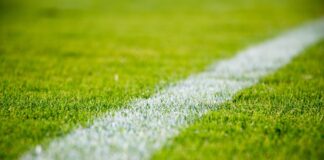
138 131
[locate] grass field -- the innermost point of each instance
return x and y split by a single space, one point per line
279 118
62 63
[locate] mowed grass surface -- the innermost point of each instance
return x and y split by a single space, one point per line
62 63
279 118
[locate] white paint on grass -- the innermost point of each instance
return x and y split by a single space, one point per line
136 132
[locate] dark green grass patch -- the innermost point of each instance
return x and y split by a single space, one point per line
63 62
279 118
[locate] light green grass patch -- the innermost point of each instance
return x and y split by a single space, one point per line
64 62
279 118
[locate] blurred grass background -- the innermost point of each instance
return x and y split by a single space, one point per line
64 62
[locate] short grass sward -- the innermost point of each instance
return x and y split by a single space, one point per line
62 63
279 118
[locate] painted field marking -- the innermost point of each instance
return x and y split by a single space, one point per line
141 129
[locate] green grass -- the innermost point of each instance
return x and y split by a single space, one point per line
59 59
279 118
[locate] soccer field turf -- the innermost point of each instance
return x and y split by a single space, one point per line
279 118
63 63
